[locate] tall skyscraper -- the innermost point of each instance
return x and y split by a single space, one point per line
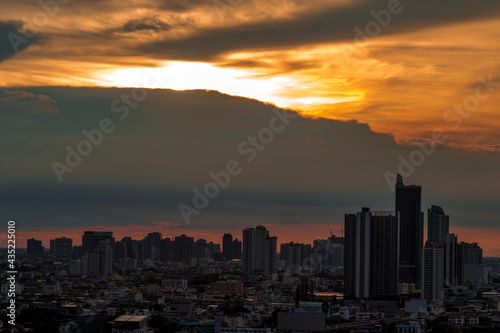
236 249
201 249
35 248
127 248
473 254
438 224
329 251
151 246
167 250
105 250
227 246
270 259
77 252
411 234
63 249
296 255
371 254
90 239
100 259
183 248
454 262
259 251
433 272
52 248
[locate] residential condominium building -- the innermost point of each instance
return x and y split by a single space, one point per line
259 251
433 257
438 224
371 255
411 232
63 249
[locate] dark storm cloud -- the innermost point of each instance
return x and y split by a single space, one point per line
314 169
147 23
12 41
326 26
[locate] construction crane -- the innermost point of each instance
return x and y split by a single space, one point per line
171 229
330 228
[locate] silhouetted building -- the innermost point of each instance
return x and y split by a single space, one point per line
35 248
151 246
77 252
201 249
371 254
304 291
183 248
227 246
167 250
454 263
52 248
259 251
438 224
127 248
213 248
411 233
236 249
328 252
90 239
296 255
100 259
63 249
473 254
433 272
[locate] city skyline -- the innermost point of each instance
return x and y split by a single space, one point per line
405 195
250 166
291 114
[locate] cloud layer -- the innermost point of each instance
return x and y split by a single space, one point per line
314 169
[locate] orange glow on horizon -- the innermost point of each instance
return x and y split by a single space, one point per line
299 233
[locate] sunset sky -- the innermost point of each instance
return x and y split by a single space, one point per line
369 80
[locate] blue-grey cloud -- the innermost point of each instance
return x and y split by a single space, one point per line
144 24
313 170
12 40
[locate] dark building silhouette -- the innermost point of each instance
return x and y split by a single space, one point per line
236 249
433 272
77 252
454 262
371 255
411 233
473 254
167 250
438 224
183 248
151 246
227 246
127 248
35 248
63 249
91 239
51 248
296 255
304 291
328 252
201 249
259 251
